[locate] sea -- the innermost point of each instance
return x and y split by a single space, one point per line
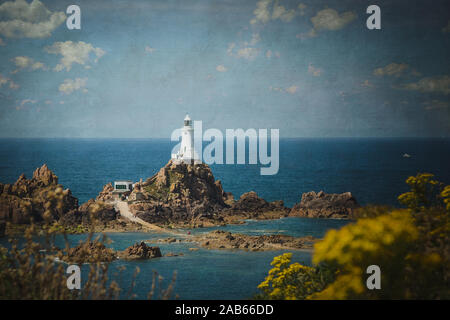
374 170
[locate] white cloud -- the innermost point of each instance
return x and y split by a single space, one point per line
221 68
446 29
248 53
316 72
74 52
3 80
262 13
69 85
395 69
8 81
436 105
305 35
438 84
301 8
20 19
267 10
23 62
270 54
255 39
330 19
366 84
24 102
292 89
231 46
149 49
280 12
245 49
13 85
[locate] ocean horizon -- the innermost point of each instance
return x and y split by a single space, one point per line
373 169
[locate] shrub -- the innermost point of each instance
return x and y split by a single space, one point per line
411 247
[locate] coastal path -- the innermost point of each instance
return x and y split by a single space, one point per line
122 207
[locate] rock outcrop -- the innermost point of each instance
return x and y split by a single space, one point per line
29 199
323 205
106 194
219 239
93 251
100 211
140 251
251 206
179 192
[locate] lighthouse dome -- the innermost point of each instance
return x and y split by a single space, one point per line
187 121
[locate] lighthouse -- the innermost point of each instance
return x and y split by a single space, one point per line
187 152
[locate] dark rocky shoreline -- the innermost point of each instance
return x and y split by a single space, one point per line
180 195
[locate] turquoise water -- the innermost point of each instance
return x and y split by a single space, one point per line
208 274
214 274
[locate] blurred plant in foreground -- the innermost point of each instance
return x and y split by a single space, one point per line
32 270
411 247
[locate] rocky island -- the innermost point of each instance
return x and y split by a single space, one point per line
180 195
219 239
96 251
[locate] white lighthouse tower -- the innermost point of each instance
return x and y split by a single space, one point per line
187 152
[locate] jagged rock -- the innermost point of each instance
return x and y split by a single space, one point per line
250 202
323 205
251 206
44 175
26 199
72 218
106 193
140 251
179 192
93 251
99 210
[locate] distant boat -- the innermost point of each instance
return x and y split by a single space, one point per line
405 155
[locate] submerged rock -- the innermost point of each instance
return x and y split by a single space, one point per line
323 205
140 251
219 239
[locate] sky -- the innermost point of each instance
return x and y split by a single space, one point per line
307 68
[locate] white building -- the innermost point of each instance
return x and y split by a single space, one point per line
123 186
187 152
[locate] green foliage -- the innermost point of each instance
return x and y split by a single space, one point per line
31 272
411 247
424 192
294 281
